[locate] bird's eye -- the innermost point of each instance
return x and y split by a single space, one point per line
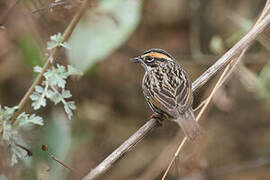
149 59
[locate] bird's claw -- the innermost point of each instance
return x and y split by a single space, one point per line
158 117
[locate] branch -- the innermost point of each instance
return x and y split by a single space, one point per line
51 59
218 84
245 42
226 73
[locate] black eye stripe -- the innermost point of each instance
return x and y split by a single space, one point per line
149 59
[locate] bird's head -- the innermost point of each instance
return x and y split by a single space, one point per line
153 58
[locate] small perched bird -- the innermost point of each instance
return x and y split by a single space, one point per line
167 89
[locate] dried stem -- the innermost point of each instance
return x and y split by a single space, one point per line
218 84
205 77
51 59
226 73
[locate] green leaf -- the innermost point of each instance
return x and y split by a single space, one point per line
69 106
38 100
7 132
37 69
55 41
66 94
56 97
57 76
39 89
11 110
6 113
16 153
26 119
102 31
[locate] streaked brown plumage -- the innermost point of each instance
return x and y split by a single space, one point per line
167 89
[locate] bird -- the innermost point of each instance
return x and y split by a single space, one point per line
167 89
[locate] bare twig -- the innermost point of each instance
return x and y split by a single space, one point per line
51 58
205 77
50 6
226 73
121 150
46 148
218 84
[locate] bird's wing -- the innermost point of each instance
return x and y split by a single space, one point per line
169 88
183 91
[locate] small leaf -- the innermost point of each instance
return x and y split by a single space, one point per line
38 100
66 94
50 94
24 119
37 69
11 110
51 45
56 41
35 120
56 98
65 45
39 89
56 76
16 153
7 133
68 111
71 105
35 96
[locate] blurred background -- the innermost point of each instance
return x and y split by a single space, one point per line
110 104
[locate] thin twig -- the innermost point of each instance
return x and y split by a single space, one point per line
245 42
50 6
122 150
218 84
51 59
66 165
226 73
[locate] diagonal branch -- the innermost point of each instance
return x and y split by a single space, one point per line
235 51
218 84
51 59
226 73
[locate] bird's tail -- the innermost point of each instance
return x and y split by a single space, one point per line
188 124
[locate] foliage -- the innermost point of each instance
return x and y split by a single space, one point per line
10 131
53 88
56 41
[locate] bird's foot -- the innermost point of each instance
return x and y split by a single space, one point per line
158 117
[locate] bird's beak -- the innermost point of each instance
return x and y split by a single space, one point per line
136 59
